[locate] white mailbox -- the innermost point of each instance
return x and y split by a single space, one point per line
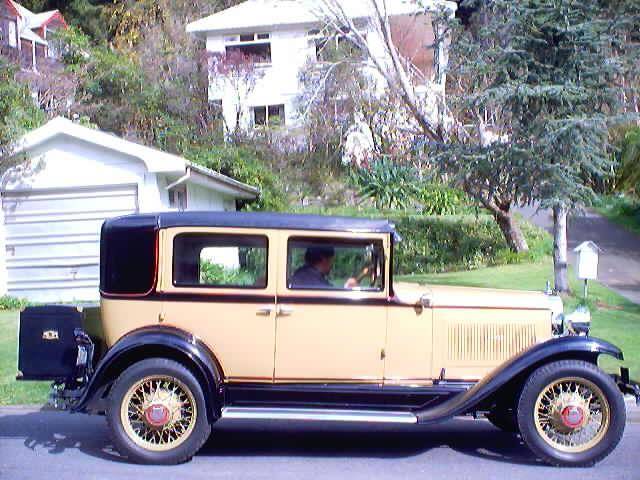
587 260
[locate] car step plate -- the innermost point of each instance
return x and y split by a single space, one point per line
320 415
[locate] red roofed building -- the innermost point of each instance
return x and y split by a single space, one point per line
26 35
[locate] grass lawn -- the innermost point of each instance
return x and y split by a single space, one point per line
12 392
614 318
624 211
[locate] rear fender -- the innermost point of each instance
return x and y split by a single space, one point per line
152 342
583 348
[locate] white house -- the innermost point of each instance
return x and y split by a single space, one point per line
284 35
69 179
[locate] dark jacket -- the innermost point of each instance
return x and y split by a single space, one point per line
309 276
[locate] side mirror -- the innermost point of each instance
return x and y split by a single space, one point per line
425 301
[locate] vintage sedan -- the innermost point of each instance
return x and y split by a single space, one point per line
210 315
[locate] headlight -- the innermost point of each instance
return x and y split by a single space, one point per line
579 322
557 314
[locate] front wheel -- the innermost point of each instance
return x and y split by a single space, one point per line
570 413
157 413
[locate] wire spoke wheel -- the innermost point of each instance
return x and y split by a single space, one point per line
158 413
572 414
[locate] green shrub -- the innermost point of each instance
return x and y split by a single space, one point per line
214 274
388 184
12 303
438 199
434 244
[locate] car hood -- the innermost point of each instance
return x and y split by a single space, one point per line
449 296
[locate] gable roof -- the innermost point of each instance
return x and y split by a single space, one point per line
156 161
32 21
257 14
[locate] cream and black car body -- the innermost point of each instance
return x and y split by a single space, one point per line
210 315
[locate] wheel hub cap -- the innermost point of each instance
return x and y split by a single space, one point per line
157 415
572 416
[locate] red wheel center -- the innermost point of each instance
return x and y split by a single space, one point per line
157 415
572 416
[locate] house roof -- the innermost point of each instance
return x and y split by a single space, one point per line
155 160
279 221
256 14
32 21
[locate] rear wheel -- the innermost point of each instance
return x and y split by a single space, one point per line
157 413
571 413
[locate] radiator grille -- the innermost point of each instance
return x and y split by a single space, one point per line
473 342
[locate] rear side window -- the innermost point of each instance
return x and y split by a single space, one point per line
220 261
128 259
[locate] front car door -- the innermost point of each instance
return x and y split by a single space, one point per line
331 325
220 285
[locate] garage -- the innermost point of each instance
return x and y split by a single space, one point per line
52 239
66 181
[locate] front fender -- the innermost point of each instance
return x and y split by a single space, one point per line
158 341
555 349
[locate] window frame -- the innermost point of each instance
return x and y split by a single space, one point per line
181 286
282 109
336 241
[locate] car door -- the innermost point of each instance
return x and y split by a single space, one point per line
219 284
332 333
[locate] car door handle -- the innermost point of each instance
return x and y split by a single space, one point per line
285 311
265 311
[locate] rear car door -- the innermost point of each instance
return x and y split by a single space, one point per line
332 333
219 284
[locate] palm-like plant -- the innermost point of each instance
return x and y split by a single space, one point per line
388 184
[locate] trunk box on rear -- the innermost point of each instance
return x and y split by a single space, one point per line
47 347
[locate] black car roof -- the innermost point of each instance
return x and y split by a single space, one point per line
281 221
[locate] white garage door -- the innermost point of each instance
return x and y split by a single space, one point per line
52 239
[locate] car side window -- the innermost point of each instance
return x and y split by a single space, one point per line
335 264
220 261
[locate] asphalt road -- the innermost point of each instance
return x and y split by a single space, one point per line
53 445
619 265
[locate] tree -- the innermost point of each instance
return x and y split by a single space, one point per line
398 73
235 73
538 77
18 112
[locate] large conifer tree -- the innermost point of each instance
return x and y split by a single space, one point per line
538 77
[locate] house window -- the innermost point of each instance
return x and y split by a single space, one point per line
13 38
255 46
220 261
269 116
178 198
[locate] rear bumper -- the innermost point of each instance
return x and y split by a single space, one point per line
626 385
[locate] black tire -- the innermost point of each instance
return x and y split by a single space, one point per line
124 442
504 419
544 376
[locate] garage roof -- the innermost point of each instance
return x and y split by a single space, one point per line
155 160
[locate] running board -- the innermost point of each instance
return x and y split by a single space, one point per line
319 415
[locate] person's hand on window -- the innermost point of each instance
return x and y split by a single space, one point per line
352 283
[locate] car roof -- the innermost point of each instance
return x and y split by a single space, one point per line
280 221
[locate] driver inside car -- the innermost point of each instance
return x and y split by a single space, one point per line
318 262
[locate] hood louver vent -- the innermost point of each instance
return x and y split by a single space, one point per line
478 343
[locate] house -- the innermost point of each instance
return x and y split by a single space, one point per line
283 37
28 36
67 181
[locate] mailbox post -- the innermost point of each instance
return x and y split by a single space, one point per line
588 253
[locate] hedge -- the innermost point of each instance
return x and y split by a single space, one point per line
433 244
442 243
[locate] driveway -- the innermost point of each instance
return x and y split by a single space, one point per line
619 265
35 444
